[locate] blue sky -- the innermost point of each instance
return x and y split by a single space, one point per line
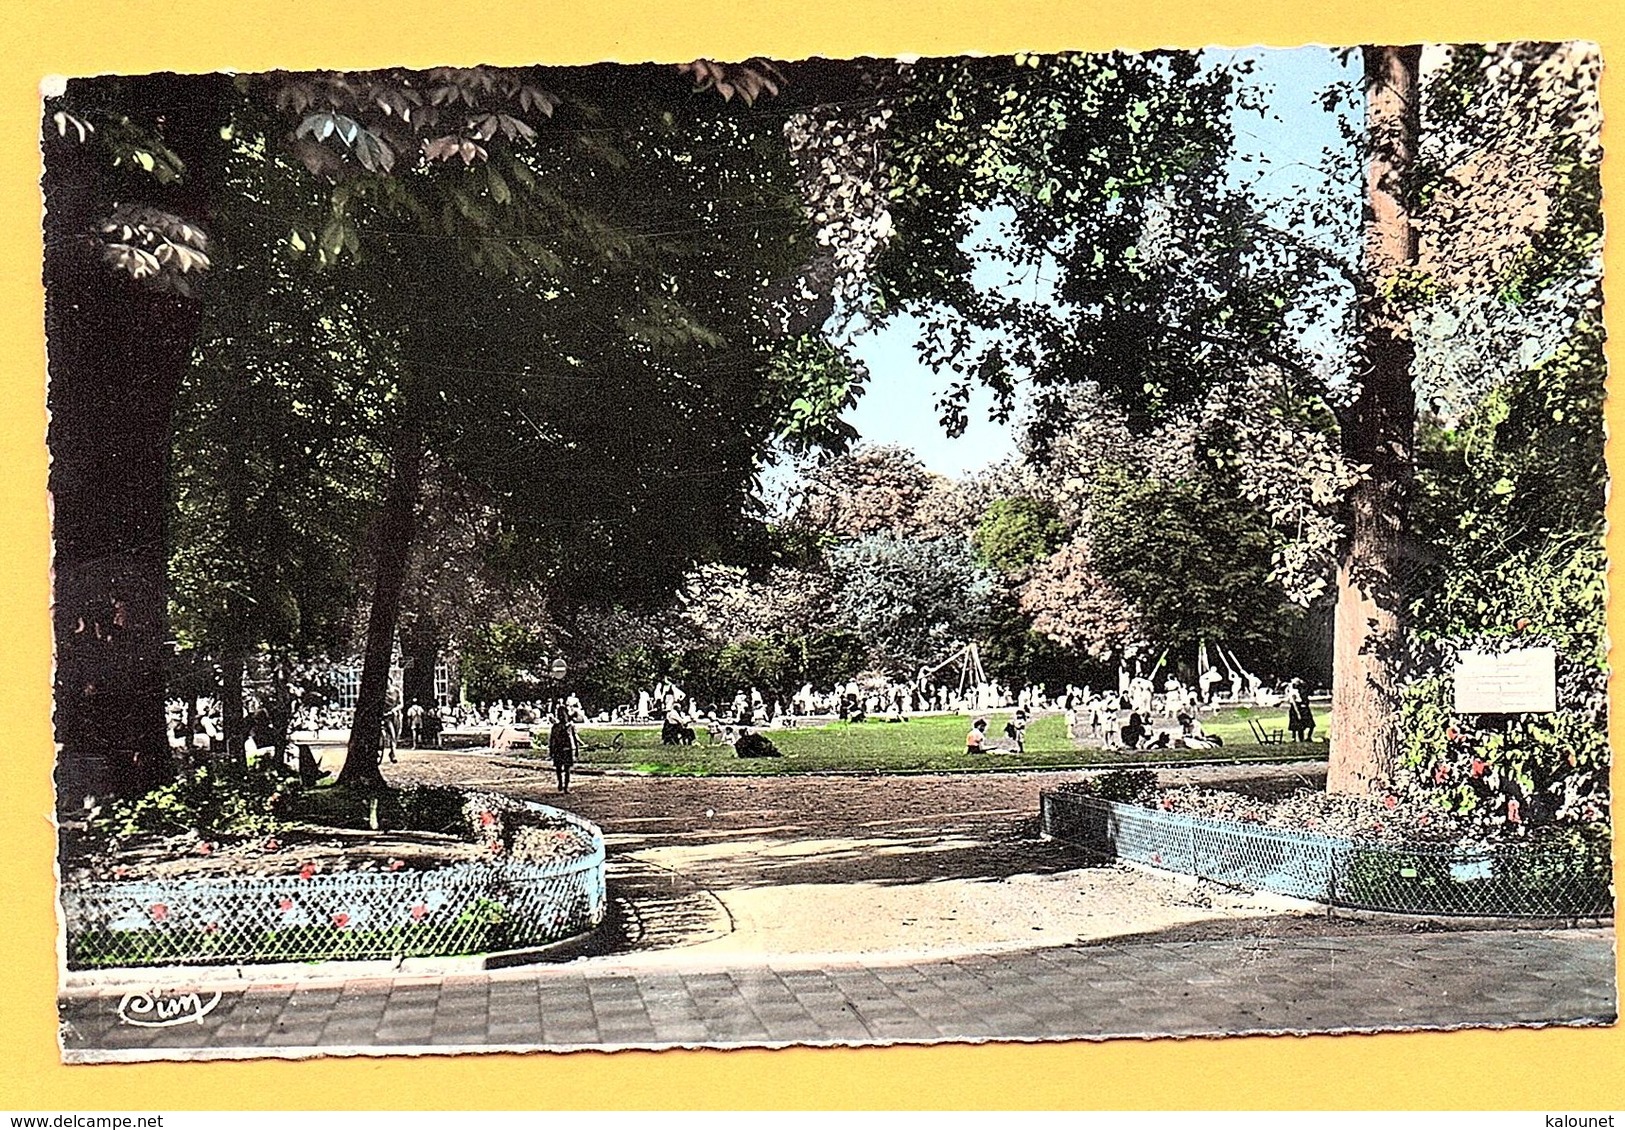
899 406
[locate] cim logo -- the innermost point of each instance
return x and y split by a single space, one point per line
153 1009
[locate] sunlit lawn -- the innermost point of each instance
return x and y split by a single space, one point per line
918 745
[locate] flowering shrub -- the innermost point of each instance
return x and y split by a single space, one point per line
210 801
1507 773
1124 786
1508 520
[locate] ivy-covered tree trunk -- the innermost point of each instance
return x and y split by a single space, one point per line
392 541
1379 432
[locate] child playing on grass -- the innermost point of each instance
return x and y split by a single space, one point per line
1016 730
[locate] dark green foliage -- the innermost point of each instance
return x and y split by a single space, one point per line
215 800
1194 559
1509 530
1496 495
777 666
1016 532
756 745
825 658
719 672
504 660
1014 655
909 600
618 677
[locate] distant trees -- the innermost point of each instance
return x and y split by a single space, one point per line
1015 533
1158 284
876 488
909 599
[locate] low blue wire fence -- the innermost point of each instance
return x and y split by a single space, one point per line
462 908
1517 880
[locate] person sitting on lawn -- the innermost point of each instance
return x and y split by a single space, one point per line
675 730
1135 732
1191 734
976 740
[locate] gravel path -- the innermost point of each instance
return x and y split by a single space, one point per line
714 869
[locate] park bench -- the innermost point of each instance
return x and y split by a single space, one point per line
1266 737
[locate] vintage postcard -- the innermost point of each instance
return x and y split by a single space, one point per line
834 551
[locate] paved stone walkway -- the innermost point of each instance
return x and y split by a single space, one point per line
1126 988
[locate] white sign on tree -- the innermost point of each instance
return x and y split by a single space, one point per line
1510 682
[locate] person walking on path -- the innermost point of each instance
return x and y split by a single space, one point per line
562 745
414 724
392 724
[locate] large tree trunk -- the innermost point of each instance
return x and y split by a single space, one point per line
233 723
1379 431
117 353
393 534
420 651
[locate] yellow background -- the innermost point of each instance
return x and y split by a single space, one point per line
1557 1069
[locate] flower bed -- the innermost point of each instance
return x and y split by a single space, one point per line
1555 878
520 875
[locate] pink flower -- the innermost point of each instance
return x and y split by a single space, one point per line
396 864
273 844
284 904
159 911
1452 733
307 870
1390 802
204 847
496 847
1478 767
487 819
1441 774
341 920
1513 814
419 911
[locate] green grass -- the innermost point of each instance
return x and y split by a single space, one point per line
933 744
1231 725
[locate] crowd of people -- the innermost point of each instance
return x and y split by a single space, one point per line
1138 714
852 701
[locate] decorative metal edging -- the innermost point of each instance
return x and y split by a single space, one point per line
1491 880
461 908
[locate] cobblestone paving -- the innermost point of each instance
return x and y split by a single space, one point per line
1126 988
